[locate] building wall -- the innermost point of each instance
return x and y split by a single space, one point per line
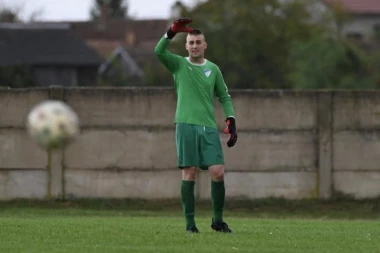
65 76
51 75
87 76
364 25
292 144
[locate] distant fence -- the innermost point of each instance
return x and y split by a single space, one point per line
292 144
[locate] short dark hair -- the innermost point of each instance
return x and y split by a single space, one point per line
196 32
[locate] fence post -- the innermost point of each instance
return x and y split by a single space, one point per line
55 158
325 142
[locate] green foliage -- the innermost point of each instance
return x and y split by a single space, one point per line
17 76
113 9
117 76
276 44
157 75
373 66
251 40
328 63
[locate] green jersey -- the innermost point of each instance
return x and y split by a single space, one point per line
196 85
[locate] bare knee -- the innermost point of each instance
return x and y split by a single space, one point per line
217 172
189 174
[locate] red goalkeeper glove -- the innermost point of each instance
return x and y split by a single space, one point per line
231 130
179 26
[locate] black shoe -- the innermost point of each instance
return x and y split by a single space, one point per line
220 227
192 229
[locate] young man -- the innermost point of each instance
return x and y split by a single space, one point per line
197 80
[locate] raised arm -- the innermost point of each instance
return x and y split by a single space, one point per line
168 59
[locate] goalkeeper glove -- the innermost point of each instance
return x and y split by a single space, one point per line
179 26
231 129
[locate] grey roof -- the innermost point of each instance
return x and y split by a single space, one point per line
126 57
36 44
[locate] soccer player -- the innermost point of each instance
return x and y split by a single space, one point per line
197 80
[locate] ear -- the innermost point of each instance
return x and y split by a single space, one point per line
205 45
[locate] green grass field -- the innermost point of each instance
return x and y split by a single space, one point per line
138 226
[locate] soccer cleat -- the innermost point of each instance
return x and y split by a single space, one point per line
192 229
220 227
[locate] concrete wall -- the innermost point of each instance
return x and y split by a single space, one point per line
291 144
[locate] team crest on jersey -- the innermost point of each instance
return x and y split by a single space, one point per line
207 72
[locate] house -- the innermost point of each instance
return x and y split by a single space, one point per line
130 42
55 54
364 18
124 59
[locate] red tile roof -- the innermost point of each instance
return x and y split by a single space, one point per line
357 6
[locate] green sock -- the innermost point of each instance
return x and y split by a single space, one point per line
188 202
217 195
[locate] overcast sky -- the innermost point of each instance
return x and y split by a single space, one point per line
58 10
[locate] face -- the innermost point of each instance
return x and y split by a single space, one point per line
196 45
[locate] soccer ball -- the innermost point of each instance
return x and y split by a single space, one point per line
52 124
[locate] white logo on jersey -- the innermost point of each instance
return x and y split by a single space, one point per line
207 72
190 68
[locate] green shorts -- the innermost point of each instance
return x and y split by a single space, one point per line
198 146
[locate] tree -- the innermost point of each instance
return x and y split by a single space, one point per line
329 63
157 75
251 40
8 16
12 14
109 9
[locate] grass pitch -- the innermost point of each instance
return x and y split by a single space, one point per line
111 226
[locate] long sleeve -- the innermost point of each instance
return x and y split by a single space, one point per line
168 59
223 96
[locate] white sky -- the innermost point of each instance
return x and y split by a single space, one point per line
64 10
